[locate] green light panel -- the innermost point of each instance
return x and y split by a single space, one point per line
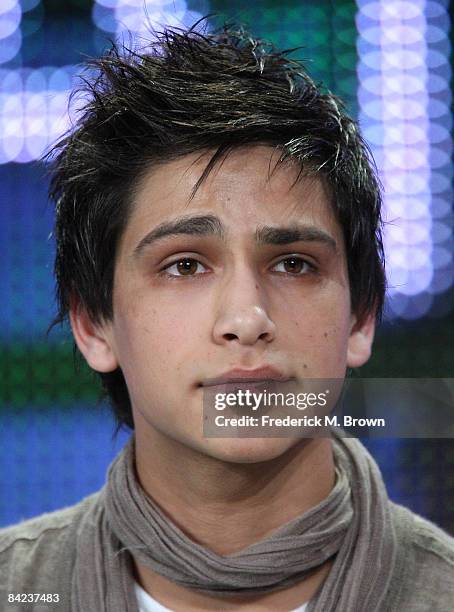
325 30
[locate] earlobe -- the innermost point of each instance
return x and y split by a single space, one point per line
92 339
360 341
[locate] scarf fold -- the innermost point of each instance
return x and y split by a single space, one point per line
352 526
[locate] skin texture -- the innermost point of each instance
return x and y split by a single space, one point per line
243 305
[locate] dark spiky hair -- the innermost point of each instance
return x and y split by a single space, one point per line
187 92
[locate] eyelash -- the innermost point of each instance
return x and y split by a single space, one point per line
311 268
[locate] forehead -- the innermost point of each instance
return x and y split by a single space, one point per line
246 189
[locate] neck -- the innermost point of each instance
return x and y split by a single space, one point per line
207 498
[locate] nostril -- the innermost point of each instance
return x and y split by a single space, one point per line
230 337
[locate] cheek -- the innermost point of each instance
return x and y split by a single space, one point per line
317 334
154 338
324 315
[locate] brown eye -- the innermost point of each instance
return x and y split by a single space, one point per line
185 267
294 265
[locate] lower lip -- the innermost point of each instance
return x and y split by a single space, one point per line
254 386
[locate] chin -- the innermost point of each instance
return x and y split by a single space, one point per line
247 450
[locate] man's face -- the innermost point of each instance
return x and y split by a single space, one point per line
262 283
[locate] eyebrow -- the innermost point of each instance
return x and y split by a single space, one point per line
202 225
210 225
295 233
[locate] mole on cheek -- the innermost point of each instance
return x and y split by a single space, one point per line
326 334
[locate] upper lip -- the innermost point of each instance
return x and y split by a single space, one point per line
241 375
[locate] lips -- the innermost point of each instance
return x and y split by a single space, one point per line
259 382
241 378
255 387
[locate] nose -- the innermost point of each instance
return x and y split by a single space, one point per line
243 314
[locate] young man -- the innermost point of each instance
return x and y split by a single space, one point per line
218 223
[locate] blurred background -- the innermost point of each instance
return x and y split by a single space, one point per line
390 61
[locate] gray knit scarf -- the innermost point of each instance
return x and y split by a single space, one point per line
352 526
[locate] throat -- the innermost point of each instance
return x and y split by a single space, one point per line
182 599
225 520
207 502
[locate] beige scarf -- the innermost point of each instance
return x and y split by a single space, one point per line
352 526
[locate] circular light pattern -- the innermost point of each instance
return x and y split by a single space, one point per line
33 110
404 98
141 16
10 34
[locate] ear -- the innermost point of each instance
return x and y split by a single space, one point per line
92 339
360 341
